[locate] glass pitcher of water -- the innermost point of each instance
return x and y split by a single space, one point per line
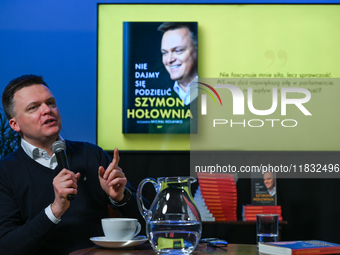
173 222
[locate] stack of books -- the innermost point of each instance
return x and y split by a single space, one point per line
249 212
216 197
202 207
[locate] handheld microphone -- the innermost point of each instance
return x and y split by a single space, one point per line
59 148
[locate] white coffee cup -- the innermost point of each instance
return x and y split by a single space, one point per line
120 229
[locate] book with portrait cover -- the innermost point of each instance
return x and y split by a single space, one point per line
154 61
263 189
299 247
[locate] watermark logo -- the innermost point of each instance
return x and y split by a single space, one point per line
238 100
204 97
280 98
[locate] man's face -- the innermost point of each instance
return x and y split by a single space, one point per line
268 180
179 55
36 116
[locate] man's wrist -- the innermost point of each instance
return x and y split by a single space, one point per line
50 215
126 198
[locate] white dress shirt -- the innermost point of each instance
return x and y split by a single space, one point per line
42 157
272 193
192 91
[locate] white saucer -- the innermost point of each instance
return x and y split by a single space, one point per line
103 242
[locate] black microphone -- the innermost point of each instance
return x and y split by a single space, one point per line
59 148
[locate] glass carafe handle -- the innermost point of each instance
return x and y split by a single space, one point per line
140 203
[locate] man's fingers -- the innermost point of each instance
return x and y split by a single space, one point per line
116 158
108 170
101 172
112 168
116 174
65 182
66 172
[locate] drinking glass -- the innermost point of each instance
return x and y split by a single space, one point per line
267 227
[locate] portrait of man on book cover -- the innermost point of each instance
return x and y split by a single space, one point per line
269 182
263 188
179 57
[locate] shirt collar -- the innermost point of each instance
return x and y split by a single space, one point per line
272 193
33 151
188 96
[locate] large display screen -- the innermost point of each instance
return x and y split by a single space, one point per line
282 53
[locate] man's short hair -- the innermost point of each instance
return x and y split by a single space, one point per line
15 85
191 26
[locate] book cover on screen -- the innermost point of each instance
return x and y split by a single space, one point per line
263 189
154 61
299 247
